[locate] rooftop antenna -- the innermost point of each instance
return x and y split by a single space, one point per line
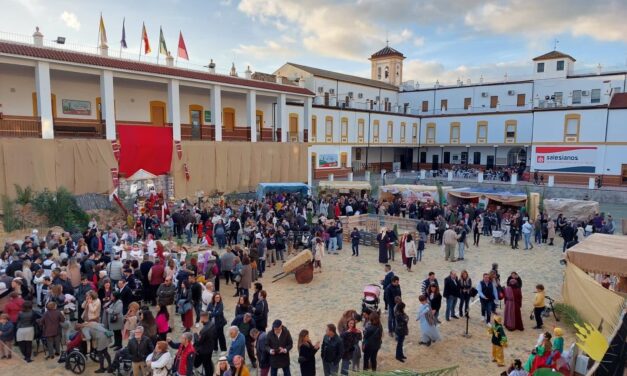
555 42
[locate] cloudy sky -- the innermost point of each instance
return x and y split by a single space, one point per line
443 39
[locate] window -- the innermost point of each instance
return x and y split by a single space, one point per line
360 129
314 126
454 133
494 100
344 128
467 102
520 100
423 157
576 96
447 157
482 132
431 133
444 105
571 127
560 65
425 106
510 131
414 133
387 72
403 130
540 68
358 154
379 73
328 125
595 96
390 130
375 131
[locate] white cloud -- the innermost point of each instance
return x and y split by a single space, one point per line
427 72
419 41
70 20
35 7
276 51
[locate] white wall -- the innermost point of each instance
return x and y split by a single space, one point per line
468 128
549 125
17 85
548 87
617 126
133 97
550 68
67 85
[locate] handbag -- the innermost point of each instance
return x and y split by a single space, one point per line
114 318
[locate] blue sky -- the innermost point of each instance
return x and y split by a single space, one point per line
442 39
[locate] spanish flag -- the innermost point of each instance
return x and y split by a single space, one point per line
102 33
182 50
145 40
162 47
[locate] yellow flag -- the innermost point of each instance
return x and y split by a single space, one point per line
102 33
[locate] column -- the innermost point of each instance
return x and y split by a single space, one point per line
306 119
216 111
107 103
281 116
251 114
309 167
174 109
44 99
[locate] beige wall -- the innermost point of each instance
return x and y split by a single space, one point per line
17 85
83 87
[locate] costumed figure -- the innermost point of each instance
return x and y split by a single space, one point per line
499 341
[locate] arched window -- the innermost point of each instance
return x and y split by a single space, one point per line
387 72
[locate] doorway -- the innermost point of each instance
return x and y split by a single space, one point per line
476 158
157 113
435 162
229 119
196 121
490 162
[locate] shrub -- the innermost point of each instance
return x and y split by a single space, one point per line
568 314
61 209
24 195
11 221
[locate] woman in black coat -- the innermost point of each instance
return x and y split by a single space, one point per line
307 354
373 336
383 240
435 299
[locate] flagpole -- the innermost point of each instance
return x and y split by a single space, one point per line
141 41
123 36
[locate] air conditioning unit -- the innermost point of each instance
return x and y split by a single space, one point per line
386 99
484 94
329 139
332 91
377 98
350 94
585 93
570 139
344 139
481 140
511 92
320 89
430 141
510 140
542 104
360 95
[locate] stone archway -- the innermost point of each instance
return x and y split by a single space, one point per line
516 156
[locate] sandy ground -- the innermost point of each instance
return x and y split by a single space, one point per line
339 287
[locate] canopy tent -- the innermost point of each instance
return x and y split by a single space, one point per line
344 186
141 174
502 197
412 192
265 188
601 254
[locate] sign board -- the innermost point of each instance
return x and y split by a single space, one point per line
74 107
207 116
327 161
581 159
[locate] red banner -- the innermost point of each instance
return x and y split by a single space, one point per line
145 147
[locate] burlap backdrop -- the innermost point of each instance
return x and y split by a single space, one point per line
236 166
81 166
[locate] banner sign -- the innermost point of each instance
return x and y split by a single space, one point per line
327 161
581 159
75 107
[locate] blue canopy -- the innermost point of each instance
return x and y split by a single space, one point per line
265 188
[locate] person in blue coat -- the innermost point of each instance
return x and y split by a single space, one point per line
238 346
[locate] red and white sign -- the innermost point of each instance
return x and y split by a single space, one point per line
581 159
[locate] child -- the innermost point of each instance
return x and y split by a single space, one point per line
499 341
387 279
538 306
558 347
318 254
6 336
432 232
516 369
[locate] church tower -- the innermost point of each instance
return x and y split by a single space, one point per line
387 66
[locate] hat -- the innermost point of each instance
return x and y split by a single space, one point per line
498 319
277 324
223 359
558 332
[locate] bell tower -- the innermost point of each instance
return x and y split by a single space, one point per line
387 66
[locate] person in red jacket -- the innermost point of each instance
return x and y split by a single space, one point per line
14 306
184 359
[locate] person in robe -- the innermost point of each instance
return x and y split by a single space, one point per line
513 303
383 240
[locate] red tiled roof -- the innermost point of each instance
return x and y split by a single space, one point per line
619 101
108 62
387 51
553 55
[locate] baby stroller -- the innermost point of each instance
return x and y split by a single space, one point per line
370 301
75 356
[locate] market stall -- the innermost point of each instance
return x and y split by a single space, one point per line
490 198
411 192
264 188
355 188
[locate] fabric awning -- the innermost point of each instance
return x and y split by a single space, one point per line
345 185
400 188
505 197
601 253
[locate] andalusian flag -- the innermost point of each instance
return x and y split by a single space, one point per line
102 33
162 47
145 40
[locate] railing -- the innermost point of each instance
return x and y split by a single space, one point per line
77 128
20 126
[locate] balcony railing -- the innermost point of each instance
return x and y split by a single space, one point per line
20 126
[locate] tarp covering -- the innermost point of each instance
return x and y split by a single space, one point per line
344 185
411 192
601 254
502 196
577 210
81 166
265 188
235 166
591 300
144 147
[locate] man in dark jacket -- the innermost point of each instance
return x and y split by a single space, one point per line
246 324
207 338
332 351
138 348
278 344
196 289
260 311
262 353
451 293
389 295
568 234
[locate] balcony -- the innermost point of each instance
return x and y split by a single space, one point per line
20 126
78 128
